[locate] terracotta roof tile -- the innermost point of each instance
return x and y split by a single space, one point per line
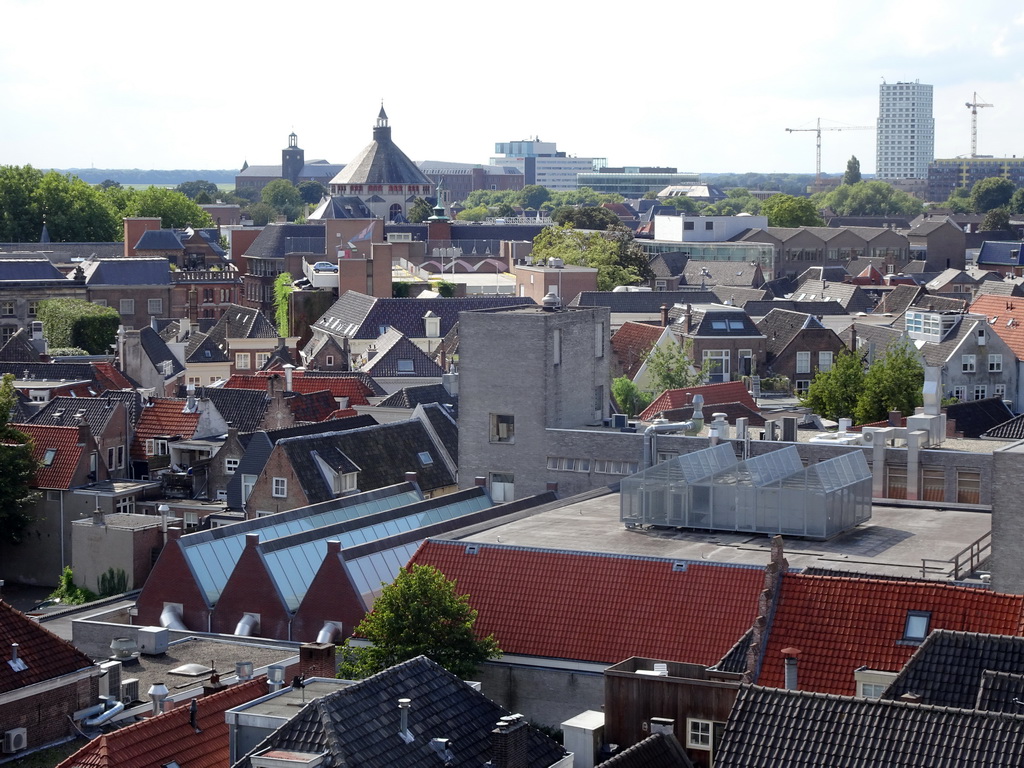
161 417
631 343
170 737
46 655
842 623
726 392
1009 323
600 608
59 471
339 386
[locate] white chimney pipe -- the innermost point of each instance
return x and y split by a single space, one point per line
157 693
288 368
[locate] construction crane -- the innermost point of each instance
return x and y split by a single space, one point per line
973 106
818 130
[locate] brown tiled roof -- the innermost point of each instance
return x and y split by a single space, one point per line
726 392
1009 319
60 472
631 343
46 656
314 406
842 623
339 386
599 607
170 737
162 417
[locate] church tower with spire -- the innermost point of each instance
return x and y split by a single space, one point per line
293 159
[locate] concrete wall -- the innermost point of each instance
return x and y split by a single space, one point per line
1007 488
544 696
98 548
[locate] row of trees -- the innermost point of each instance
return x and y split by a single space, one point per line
74 211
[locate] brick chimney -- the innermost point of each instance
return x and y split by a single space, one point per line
317 660
664 315
135 228
509 743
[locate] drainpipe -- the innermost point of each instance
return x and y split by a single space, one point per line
691 427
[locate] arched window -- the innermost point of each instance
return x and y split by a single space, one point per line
395 212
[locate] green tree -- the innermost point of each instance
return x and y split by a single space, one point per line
173 208
959 201
17 467
894 382
311 192
262 213
833 393
590 217
869 198
852 175
282 292
789 211
282 195
191 189
420 210
73 210
670 366
477 213
993 192
421 613
997 220
533 196
682 203
79 323
629 397
593 249
1017 201
69 593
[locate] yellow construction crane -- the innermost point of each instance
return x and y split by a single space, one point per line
818 130
973 106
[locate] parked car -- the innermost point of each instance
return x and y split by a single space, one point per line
325 266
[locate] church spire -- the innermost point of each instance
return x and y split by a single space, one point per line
382 116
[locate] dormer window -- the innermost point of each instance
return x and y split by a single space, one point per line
916 628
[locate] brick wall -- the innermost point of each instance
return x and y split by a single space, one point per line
46 716
262 498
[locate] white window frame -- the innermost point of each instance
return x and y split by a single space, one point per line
126 306
969 363
261 359
6 309
803 362
230 466
960 392
801 386
248 483
980 391
699 733
243 361
999 390
279 487
155 306
825 360
995 363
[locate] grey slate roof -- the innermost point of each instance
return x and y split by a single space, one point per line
154 270
243 409
780 327
410 397
397 356
341 207
781 287
976 417
442 422
999 253
770 728
384 453
359 725
66 253
762 308
27 268
381 162
641 302
49 371
737 295
66 412
999 288
236 323
1008 430
659 750
937 354
706 320
276 240
850 296
158 352
19 348
359 316
160 240
952 669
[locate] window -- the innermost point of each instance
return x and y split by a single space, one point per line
698 734
688 226
502 486
126 306
896 481
7 308
261 359
563 464
995 363
999 390
125 505
968 363
605 467
155 306
279 487
715 363
242 361
968 486
960 393
248 481
916 628
824 361
708 226
503 428
191 519
405 365
980 392
933 484
599 340
230 466
49 456
329 361
425 458
803 362
556 346
801 386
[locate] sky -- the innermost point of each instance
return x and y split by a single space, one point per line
705 87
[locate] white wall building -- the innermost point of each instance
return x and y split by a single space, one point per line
705 229
541 163
906 131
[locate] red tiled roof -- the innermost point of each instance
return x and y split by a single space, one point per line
60 472
109 377
315 406
170 737
600 608
840 623
338 386
631 343
727 392
46 655
1004 309
161 417
342 413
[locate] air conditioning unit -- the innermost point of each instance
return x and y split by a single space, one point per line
129 690
868 437
15 740
110 680
153 640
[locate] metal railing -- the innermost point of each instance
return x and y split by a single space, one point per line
963 563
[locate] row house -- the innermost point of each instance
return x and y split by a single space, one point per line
797 248
26 280
798 346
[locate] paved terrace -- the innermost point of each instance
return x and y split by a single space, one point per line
893 543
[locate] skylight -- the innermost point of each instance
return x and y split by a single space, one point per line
425 458
49 456
916 629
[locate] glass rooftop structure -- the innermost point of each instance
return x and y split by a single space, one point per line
212 555
770 494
